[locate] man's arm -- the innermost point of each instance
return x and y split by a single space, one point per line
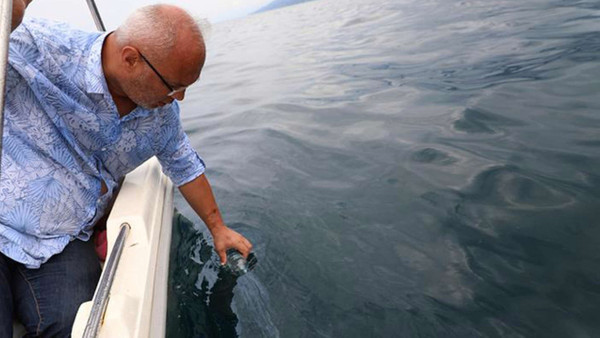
18 10
199 195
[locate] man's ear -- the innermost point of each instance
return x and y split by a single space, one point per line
130 56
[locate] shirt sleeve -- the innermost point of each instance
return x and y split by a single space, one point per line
179 160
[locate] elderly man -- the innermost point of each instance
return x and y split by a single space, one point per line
82 110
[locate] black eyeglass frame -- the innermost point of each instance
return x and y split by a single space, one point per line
171 89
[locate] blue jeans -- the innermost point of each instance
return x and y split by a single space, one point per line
46 300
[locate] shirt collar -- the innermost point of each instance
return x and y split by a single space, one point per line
95 81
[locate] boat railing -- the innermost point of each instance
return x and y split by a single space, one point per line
5 26
105 283
96 15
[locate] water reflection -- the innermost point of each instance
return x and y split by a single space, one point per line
200 293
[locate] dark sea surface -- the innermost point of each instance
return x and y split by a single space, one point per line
403 168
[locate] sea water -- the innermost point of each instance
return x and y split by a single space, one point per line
403 168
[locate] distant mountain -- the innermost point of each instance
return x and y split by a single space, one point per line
280 3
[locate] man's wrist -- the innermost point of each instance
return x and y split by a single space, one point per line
212 227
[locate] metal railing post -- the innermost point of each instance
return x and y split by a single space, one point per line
103 291
5 26
96 15
108 275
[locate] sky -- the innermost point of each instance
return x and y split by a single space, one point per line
113 12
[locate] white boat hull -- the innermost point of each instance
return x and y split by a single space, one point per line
138 298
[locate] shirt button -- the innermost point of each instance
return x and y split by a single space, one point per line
103 149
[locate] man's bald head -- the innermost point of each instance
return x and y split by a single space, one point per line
154 56
162 31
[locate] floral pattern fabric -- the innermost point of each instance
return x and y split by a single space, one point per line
63 136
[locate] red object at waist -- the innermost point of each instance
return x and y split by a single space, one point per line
100 244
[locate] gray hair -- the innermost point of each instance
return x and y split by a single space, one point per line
150 28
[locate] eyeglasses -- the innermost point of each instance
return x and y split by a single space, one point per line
172 90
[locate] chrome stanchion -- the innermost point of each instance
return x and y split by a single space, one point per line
103 290
96 15
5 26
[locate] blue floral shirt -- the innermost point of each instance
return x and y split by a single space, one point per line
63 136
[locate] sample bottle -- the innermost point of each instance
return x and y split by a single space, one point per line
237 265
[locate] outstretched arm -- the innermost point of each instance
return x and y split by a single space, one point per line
199 195
18 11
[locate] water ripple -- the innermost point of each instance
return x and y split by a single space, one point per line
405 168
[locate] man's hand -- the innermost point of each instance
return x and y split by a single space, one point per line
225 238
199 195
18 11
